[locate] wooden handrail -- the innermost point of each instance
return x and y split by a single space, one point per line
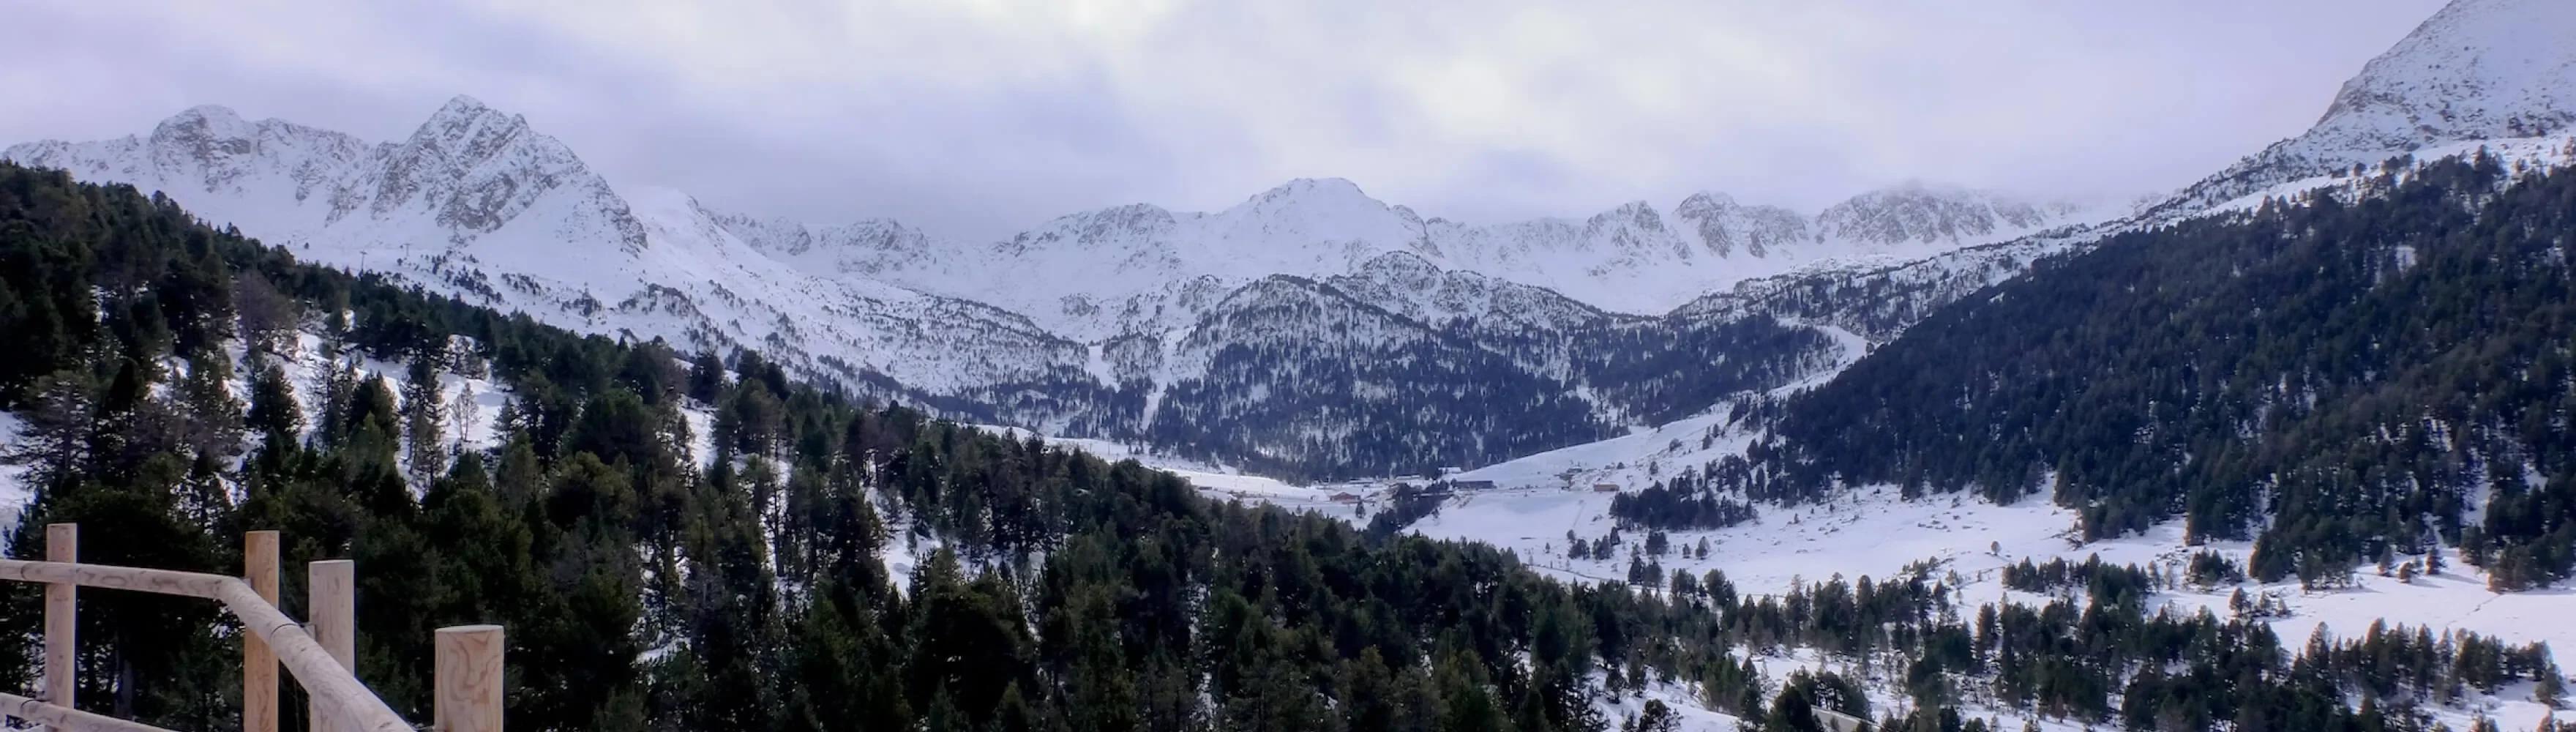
312 666
66 718
331 607
62 628
259 664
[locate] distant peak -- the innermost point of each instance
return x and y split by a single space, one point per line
1708 200
206 122
2476 69
208 113
465 123
1312 189
463 105
1334 185
463 111
1917 189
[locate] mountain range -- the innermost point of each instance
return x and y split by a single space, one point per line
1309 330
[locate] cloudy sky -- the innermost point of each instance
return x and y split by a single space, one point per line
980 117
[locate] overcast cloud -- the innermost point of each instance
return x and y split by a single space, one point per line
975 118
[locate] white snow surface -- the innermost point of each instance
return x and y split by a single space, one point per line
477 203
1142 269
2478 70
1874 533
15 494
1221 482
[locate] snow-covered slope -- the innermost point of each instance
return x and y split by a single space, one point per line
1080 324
477 204
1140 268
1176 328
1085 322
2476 70
2497 76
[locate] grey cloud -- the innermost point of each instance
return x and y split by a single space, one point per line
979 118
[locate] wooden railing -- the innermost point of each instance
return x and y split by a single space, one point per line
322 657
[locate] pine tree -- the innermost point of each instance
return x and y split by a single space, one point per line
213 417
706 377
339 379
61 422
268 317
424 412
1657 717
274 412
2550 686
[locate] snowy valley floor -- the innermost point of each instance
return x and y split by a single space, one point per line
1875 533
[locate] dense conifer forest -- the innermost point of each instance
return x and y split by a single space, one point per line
647 589
2341 380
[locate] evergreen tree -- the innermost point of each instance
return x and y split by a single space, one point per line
274 412
424 412
212 417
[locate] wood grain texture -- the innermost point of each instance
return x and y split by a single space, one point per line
156 581
259 664
333 610
304 657
65 718
469 693
315 668
62 622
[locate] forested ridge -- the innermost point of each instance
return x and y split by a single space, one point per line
644 591
1381 395
1303 380
2340 380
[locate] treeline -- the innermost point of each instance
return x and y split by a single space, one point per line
1381 398
1689 500
2118 585
2336 380
649 584
1360 392
2100 659
649 587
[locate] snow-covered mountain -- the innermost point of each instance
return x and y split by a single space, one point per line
478 205
1141 268
2491 75
1104 323
1176 329
2478 70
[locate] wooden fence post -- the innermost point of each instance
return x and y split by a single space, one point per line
332 605
468 697
62 544
259 662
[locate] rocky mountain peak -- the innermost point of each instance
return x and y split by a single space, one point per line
208 122
1637 215
466 131
1914 211
477 168
1726 227
2477 71
1311 210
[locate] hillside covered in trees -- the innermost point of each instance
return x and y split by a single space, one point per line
2341 380
646 586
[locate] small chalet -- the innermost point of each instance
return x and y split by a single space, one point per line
1605 487
1346 497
